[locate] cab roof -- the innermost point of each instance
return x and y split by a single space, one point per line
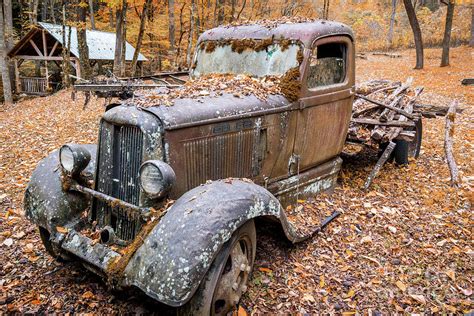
306 32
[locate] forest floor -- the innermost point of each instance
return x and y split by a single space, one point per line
403 246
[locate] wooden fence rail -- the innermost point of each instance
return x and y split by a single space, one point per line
34 85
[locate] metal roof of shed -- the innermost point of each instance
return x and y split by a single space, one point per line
101 44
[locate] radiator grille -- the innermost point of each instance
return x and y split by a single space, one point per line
120 156
219 157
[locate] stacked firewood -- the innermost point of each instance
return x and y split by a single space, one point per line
383 111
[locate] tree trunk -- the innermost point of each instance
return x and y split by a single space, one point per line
415 26
447 34
91 14
471 42
51 8
33 13
220 12
181 34
66 67
83 49
8 20
119 39
241 10
7 87
171 25
124 39
111 18
392 23
191 32
143 18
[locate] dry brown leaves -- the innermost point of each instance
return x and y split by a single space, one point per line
210 86
403 247
272 23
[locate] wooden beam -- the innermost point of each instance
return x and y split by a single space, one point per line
36 48
53 49
50 58
395 109
17 77
78 68
388 123
45 53
45 45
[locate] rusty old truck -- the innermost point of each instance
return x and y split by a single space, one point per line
167 201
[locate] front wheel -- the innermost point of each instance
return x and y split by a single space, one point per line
227 278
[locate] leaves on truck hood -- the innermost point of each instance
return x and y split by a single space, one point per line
212 85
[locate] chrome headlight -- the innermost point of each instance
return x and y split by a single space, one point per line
74 158
156 178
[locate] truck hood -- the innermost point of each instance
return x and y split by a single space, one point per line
188 112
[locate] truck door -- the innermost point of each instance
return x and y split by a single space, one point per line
326 103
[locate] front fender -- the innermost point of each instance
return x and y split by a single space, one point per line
177 253
45 202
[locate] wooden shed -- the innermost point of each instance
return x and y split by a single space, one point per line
44 43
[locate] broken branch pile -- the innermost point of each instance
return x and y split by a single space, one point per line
384 110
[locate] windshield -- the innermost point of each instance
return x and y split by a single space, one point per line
250 57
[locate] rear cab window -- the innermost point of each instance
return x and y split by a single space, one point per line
327 65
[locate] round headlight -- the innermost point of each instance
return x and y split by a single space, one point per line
74 158
156 178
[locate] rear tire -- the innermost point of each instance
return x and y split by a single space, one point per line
227 278
405 150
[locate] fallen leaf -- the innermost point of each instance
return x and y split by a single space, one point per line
366 240
309 298
62 230
451 274
321 281
392 229
266 270
419 298
8 242
401 285
241 311
87 295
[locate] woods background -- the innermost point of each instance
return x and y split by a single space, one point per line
166 31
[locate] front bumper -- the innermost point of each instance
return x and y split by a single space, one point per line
97 255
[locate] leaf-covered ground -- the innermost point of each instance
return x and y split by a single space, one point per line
404 246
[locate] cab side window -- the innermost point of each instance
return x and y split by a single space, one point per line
327 65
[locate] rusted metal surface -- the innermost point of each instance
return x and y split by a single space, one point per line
179 250
46 204
207 110
304 32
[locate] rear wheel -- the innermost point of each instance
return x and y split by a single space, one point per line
227 278
405 150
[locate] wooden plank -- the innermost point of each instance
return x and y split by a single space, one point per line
386 154
390 107
53 49
388 123
36 48
17 77
51 58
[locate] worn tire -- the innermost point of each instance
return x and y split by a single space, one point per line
204 301
405 150
50 248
